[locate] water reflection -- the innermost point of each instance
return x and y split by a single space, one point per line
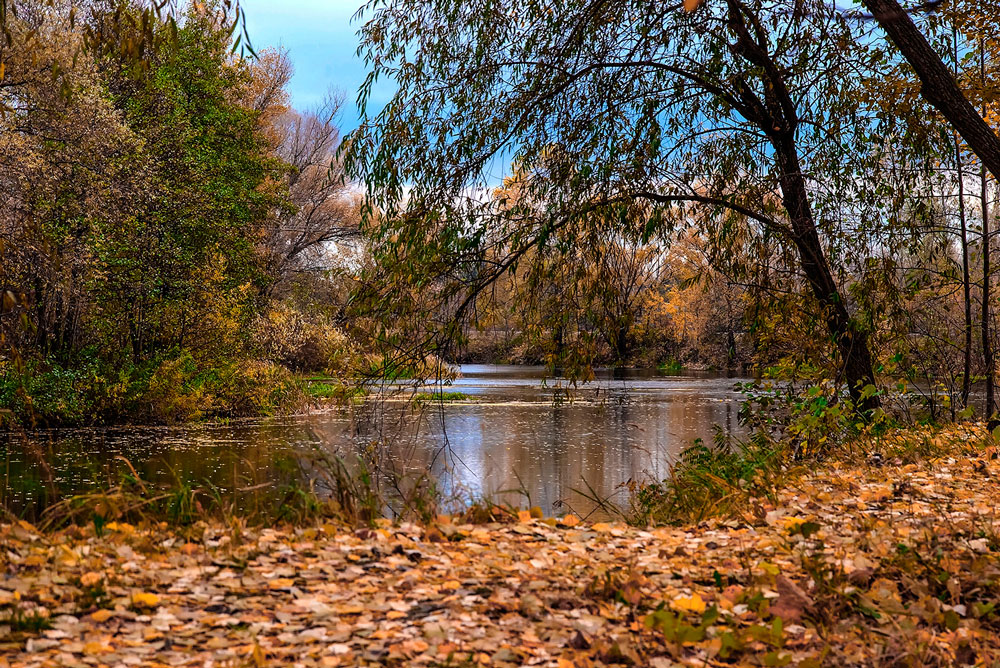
518 440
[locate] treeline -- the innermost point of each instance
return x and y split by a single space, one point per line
618 302
165 219
760 186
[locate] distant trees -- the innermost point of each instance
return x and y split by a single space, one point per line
939 86
325 206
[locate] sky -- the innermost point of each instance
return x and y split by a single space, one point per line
321 40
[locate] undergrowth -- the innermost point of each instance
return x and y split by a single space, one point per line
711 480
731 478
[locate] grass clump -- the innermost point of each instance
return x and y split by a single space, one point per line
324 389
21 621
722 479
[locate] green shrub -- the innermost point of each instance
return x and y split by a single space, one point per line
711 481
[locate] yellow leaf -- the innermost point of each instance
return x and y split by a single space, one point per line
145 600
281 583
67 556
90 579
691 5
570 521
693 603
97 647
793 523
121 527
101 616
768 567
451 585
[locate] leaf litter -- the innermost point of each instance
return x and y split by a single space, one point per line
855 565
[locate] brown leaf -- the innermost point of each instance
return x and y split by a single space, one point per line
579 641
792 601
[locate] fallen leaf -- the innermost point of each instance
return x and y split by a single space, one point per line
145 600
692 603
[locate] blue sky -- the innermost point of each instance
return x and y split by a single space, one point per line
321 40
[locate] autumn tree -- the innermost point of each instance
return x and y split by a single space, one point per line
652 109
324 205
962 96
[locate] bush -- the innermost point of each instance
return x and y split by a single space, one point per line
44 392
173 394
174 387
257 388
709 481
302 341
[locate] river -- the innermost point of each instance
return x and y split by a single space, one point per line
519 437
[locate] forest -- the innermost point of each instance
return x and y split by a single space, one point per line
179 242
727 264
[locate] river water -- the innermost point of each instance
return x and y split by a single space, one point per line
519 437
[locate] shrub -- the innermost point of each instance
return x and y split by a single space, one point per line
302 341
708 481
173 393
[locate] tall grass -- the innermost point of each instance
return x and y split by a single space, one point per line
723 479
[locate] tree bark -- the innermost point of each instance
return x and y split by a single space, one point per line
963 221
851 341
966 280
777 118
987 343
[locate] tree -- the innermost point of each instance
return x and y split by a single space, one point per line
325 207
939 87
208 187
63 157
937 84
134 203
748 109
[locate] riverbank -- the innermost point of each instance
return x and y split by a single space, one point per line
851 564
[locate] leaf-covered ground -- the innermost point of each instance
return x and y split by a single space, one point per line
857 565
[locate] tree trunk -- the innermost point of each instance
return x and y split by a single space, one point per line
987 343
730 346
966 280
621 345
851 341
777 118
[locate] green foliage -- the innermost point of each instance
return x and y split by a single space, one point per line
30 621
676 630
422 397
670 366
143 197
708 481
625 123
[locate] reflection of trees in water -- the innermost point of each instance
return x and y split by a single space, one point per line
549 451
471 450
